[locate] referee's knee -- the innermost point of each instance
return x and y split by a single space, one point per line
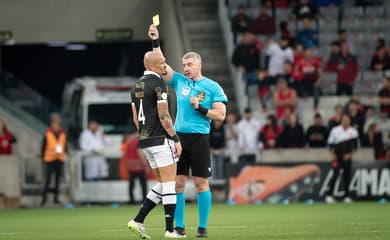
201 184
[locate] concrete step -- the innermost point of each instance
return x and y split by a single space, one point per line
191 3
203 26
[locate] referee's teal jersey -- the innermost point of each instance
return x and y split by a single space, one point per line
188 120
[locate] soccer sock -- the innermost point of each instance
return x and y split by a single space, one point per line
169 203
179 213
204 206
152 199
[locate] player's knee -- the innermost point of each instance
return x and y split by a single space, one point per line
201 184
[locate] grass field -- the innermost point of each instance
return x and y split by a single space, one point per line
294 221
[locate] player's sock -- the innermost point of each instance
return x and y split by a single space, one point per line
179 212
152 199
169 203
204 206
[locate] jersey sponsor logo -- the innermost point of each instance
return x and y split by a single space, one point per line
185 91
139 94
201 96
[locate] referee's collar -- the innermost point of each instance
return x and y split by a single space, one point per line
147 72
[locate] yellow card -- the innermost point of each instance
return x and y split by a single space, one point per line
156 20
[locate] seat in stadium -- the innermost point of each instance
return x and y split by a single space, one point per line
353 12
328 25
351 24
375 12
327 37
254 4
366 88
372 76
282 14
329 77
364 62
329 12
328 88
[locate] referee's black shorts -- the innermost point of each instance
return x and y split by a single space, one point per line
195 155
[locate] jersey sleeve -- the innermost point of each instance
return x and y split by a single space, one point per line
175 79
219 94
161 90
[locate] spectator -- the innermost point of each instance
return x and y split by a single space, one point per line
325 3
305 10
308 74
264 24
380 60
53 149
284 99
357 117
276 55
293 136
271 132
334 57
373 138
240 22
231 137
264 88
246 57
335 120
6 139
343 142
288 68
317 134
307 36
248 136
343 38
285 32
298 52
347 70
384 97
91 143
135 163
217 145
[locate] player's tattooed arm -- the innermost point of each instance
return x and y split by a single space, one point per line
165 118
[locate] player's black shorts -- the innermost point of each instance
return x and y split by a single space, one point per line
195 155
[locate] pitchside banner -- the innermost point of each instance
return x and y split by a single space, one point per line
300 182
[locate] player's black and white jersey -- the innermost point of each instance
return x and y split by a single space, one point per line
149 90
343 140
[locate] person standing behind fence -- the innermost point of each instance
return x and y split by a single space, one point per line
91 143
53 154
136 164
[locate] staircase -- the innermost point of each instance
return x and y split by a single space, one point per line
205 37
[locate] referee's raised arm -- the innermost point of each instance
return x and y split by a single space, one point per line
154 36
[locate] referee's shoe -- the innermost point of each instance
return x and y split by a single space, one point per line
202 233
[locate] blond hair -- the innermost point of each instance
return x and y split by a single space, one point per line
194 56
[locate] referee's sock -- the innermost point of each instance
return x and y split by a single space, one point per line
179 212
204 206
152 199
169 203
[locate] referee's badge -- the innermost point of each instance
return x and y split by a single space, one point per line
201 96
185 91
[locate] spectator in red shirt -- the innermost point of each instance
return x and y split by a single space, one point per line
347 70
264 24
136 164
284 99
270 132
308 73
240 22
6 139
380 60
384 97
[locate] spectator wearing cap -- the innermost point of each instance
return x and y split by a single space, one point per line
246 58
307 36
264 24
317 134
305 10
284 99
384 97
347 70
293 135
6 139
240 22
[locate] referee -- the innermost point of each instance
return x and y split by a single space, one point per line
343 141
199 100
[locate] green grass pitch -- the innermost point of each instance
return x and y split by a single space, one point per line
267 221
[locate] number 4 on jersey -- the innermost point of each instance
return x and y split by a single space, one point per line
141 115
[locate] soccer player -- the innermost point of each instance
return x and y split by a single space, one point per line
199 100
158 140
